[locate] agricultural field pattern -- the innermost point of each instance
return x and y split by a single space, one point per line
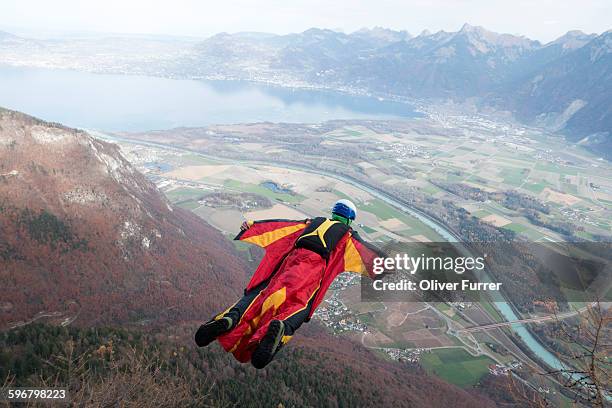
229 173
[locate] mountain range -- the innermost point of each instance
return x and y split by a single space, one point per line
563 86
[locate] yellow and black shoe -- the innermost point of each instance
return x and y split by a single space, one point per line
269 345
208 332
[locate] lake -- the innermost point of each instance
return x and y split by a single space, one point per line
136 103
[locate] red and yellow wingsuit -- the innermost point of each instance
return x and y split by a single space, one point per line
297 277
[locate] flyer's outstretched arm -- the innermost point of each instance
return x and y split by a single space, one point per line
264 233
277 237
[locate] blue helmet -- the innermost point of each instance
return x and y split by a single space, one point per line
345 208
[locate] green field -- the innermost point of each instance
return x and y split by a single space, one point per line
530 233
536 188
185 194
479 180
381 209
481 213
443 307
193 159
585 235
514 176
340 194
431 189
384 211
368 229
456 366
457 318
368 319
454 178
492 311
556 168
263 191
350 132
516 227
188 205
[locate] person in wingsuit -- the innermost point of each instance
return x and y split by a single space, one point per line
301 260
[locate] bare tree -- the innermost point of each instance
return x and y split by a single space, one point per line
587 373
524 394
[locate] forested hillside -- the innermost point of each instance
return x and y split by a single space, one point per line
104 365
85 238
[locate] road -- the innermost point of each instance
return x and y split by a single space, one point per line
539 319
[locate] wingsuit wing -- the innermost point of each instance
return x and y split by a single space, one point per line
277 237
359 256
352 254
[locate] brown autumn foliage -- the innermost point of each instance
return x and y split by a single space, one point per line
118 367
82 234
132 379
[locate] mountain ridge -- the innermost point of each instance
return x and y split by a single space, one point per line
86 237
556 85
497 69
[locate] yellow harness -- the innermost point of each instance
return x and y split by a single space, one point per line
320 231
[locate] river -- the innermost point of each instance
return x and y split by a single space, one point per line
500 302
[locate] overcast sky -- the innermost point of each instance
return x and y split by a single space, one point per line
543 20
